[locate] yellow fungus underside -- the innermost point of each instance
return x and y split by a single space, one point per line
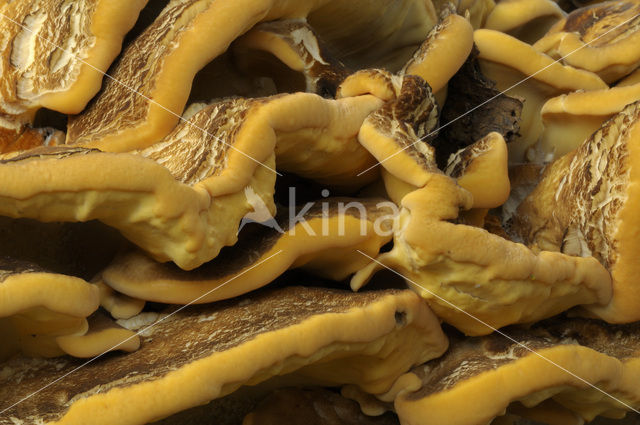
329 246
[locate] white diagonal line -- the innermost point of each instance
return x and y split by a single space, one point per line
138 333
494 97
501 333
131 89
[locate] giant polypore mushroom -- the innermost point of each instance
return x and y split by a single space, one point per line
54 55
629 80
527 20
43 313
586 206
524 72
187 36
601 38
442 53
481 169
183 184
295 45
173 194
476 10
194 355
170 204
460 269
42 43
325 239
587 367
569 119
397 133
103 335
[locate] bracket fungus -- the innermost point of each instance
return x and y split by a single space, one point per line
441 55
437 59
601 38
37 306
526 20
42 41
481 169
585 366
103 335
120 306
586 205
377 82
190 192
188 35
294 43
394 133
163 194
54 55
571 118
475 10
525 73
46 307
170 219
209 351
460 269
629 80
374 34
325 240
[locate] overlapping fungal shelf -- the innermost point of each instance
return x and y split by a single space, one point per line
319 212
